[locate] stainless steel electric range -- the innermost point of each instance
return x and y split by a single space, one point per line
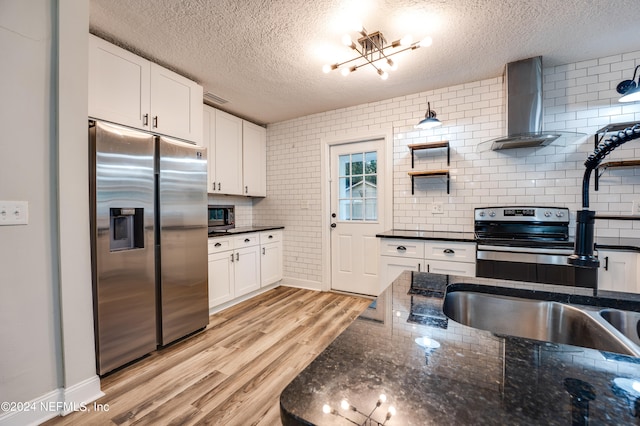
525 243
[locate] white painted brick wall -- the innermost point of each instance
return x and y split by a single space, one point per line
578 97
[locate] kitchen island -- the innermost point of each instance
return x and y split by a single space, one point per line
432 370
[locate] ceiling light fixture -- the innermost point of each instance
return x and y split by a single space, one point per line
372 48
429 121
629 89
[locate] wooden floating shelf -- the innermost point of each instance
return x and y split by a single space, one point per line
432 173
429 145
611 165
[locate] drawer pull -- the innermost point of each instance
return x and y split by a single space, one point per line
246 240
218 245
448 251
270 236
401 248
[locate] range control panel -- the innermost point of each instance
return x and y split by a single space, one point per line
522 214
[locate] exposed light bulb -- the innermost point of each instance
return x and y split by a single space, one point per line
344 404
392 65
346 40
426 42
383 74
326 409
326 68
345 71
392 410
383 397
406 40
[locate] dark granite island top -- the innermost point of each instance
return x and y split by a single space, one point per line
458 375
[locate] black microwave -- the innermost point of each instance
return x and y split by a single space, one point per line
221 218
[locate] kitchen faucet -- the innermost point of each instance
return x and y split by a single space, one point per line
582 256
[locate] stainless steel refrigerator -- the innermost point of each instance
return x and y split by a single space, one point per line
149 241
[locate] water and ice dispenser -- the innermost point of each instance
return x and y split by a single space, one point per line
126 228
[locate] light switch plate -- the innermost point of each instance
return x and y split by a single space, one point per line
14 212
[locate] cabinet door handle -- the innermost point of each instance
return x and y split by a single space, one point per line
401 248
238 257
218 186
231 257
155 122
606 263
246 189
418 267
218 245
264 251
214 186
428 268
448 251
145 120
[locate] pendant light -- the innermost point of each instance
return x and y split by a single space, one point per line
629 89
429 121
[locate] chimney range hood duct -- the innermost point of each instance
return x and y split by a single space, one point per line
524 106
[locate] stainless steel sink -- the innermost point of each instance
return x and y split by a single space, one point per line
540 320
626 322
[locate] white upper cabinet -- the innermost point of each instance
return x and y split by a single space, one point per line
237 154
127 89
119 84
176 105
254 159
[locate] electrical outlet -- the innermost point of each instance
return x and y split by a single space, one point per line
635 207
14 212
437 208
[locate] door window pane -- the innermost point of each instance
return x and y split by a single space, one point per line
357 186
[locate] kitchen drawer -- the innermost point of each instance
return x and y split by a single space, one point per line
402 248
450 250
217 245
270 237
463 269
246 240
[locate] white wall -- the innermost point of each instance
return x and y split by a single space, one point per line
45 286
28 320
578 97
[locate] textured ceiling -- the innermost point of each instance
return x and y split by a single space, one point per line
265 56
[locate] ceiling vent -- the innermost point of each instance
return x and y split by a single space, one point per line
215 99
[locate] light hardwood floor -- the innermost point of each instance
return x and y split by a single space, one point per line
233 372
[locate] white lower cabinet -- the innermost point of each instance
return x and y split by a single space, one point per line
439 257
241 264
270 257
247 270
618 271
221 278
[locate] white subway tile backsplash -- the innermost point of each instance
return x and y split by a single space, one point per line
578 97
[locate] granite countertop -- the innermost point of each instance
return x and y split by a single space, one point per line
243 230
471 377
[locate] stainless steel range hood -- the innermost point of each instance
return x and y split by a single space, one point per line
523 81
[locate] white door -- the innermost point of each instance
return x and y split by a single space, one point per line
357 209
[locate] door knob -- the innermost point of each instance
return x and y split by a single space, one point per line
333 225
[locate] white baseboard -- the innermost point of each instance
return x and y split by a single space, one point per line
82 393
53 404
298 283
